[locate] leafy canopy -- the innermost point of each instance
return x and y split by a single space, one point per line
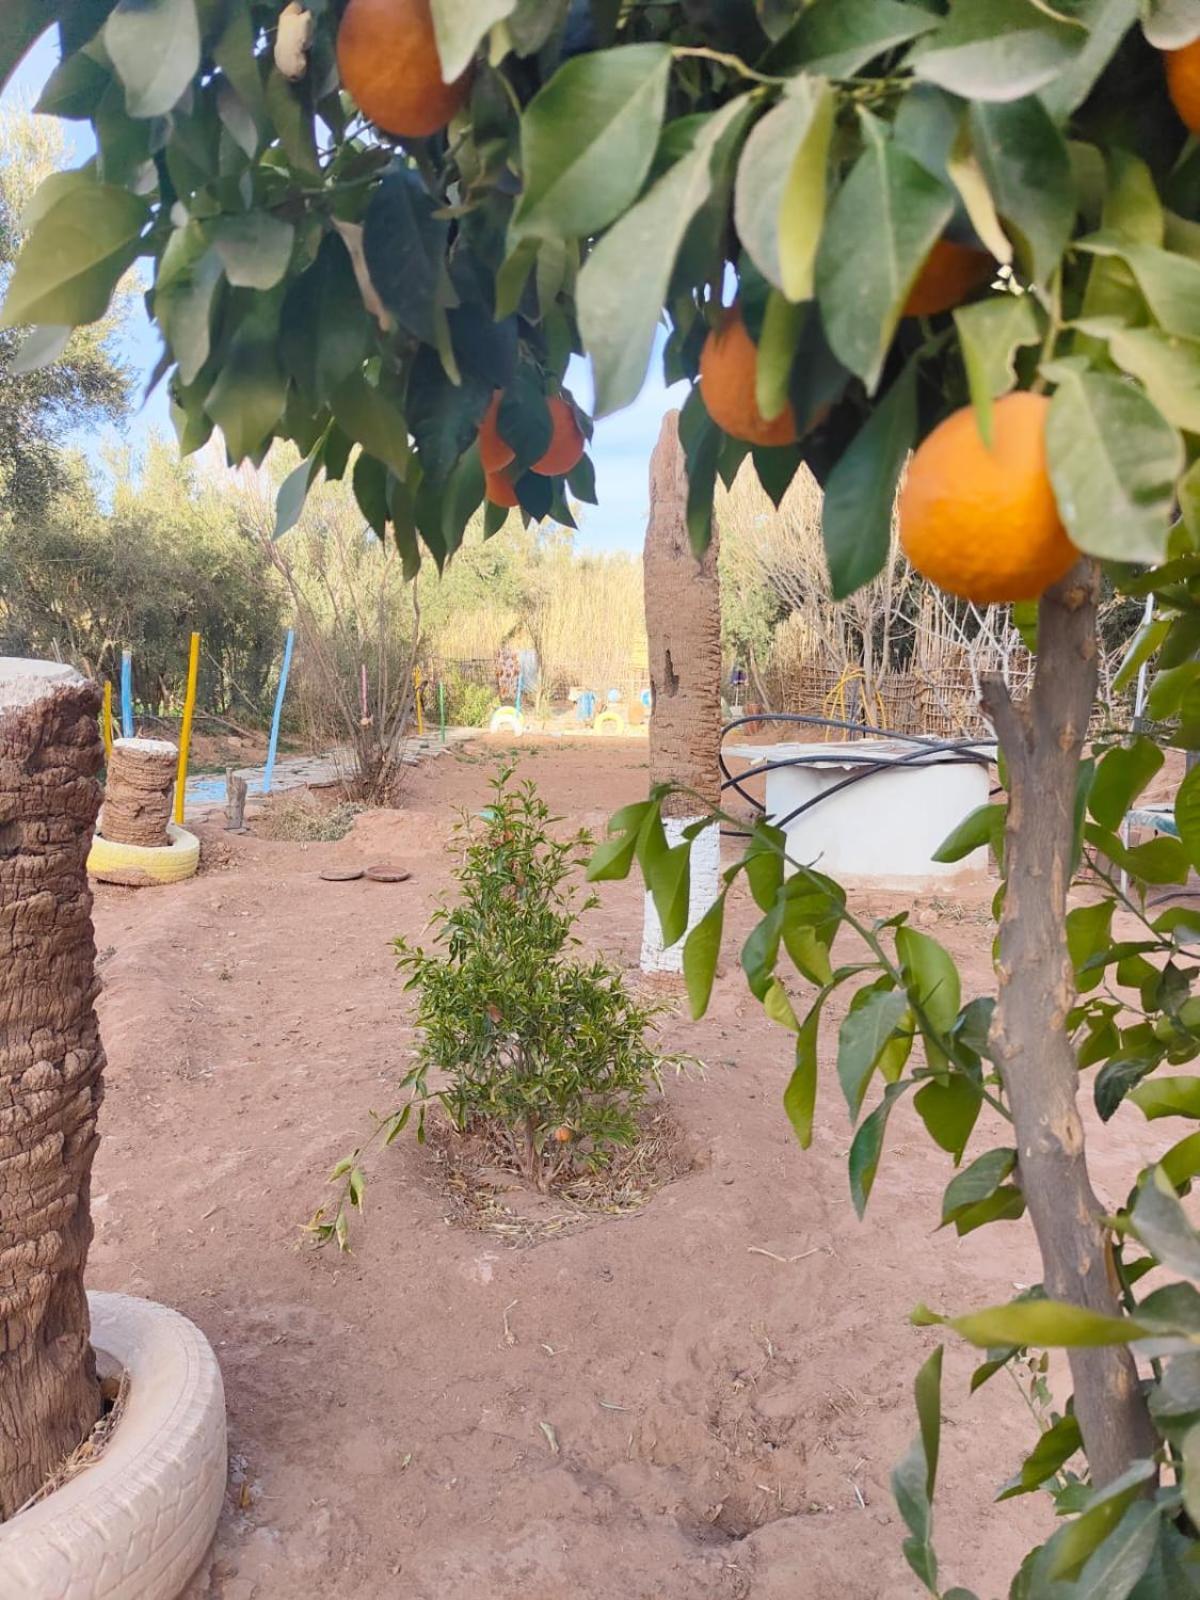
617 169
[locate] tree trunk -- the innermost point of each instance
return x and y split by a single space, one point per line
1042 739
50 1067
683 633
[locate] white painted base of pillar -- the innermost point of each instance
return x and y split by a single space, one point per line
705 886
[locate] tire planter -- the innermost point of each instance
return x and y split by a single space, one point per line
136 1523
135 865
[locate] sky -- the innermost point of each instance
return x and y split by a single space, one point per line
620 448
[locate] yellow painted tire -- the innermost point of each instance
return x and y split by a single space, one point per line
135 865
609 722
507 719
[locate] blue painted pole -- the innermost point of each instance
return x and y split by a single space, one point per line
126 694
273 743
517 702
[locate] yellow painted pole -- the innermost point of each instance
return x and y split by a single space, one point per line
106 723
185 731
417 699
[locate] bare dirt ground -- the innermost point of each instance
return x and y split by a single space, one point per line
701 1400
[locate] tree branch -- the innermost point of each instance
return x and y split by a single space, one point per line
1042 741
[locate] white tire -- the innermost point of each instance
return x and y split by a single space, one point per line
136 1524
136 865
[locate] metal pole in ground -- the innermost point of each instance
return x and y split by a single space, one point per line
273 743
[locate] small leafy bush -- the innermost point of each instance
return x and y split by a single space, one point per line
468 705
541 1047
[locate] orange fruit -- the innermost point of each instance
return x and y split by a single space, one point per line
562 1134
566 440
1183 82
950 273
388 61
494 451
983 524
728 362
499 489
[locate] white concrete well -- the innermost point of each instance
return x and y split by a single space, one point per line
885 827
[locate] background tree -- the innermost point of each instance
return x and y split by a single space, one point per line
59 380
917 208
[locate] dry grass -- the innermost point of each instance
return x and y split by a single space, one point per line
114 1392
486 1195
298 816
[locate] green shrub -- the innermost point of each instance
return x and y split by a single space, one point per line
540 1046
468 705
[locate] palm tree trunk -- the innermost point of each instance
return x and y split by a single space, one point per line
683 633
51 1062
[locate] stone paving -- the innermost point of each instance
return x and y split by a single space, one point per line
299 772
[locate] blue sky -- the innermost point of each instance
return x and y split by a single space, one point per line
622 443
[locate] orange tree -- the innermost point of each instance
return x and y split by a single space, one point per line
368 227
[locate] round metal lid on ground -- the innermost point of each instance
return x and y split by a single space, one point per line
385 874
340 874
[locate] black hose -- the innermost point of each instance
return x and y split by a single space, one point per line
958 752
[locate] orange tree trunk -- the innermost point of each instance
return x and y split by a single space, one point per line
50 1067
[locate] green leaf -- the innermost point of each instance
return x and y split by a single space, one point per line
1168 1097
613 858
372 419
990 333
983 827
293 121
997 49
701 949
1181 1163
1121 775
931 977
886 218
1168 368
779 199
1028 170
872 1018
404 245
189 276
1187 815
619 312
856 516
293 492
1159 860
1107 22
247 399
1116 1564
799 1098
233 53
1113 460
977 1182
1066 1552
1054 1448
1190 1450
458 27
71 262
1159 1222
1170 282
914 1478
155 47
75 88
670 885
588 138
837 37
1054 1324
326 332
949 1112
254 248
868 1147
1145 642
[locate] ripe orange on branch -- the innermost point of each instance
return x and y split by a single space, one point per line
728 362
499 489
1183 83
949 274
495 452
983 523
566 441
388 60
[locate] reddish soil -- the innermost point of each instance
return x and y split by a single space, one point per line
701 1400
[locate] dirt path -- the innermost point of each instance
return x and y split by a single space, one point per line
673 1414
